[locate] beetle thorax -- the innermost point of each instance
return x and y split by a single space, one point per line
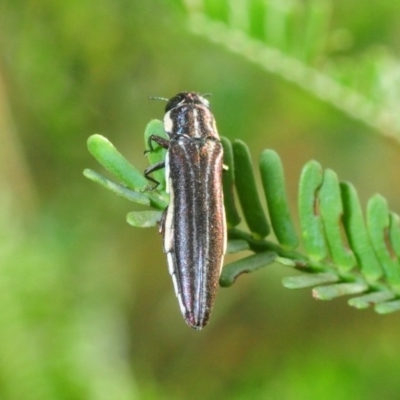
195 121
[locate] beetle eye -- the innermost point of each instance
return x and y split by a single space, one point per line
174 101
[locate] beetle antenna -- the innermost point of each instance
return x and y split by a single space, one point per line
158 98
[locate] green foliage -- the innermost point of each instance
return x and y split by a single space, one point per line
87 309
135 183
246 188
293 40
342 255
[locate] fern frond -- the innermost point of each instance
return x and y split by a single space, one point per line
289 39
342 253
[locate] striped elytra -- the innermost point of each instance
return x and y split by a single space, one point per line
193 226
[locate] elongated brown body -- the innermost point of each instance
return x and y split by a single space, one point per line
194 228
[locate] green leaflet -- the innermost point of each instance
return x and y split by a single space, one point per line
394 232
228 180
330 292
331 210
236 246
371 298
112 160
118 189
249 264
273 181
378 228
144 219
312 231
357 234
388 307
247 191
309 280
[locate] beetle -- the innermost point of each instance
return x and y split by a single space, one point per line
193 225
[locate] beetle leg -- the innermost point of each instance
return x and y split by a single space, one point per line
149 170
164 143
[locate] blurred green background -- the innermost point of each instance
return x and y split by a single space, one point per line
87 309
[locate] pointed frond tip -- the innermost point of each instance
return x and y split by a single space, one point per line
344 251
